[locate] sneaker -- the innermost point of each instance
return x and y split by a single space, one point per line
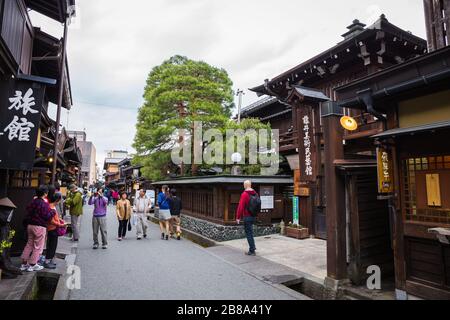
24 267
120 239
139 238
95 247
105 247
51 266
145 236
251 254
35 268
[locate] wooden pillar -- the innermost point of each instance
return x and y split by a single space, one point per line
335 193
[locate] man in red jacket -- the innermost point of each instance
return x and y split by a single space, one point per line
243 214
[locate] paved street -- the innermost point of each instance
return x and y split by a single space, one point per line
161 270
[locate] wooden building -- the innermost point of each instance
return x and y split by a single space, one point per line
363 51
214 200
29 55
413 100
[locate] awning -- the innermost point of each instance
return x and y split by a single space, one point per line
413 130
54 9
46 63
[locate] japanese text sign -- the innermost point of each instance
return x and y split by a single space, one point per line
20 115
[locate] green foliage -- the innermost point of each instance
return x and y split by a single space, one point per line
6 244
207 94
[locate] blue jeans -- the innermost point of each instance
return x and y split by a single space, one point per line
248 226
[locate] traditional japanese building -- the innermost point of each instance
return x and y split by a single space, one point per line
31 69
294 99
411 103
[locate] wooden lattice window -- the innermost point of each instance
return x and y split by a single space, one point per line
415 194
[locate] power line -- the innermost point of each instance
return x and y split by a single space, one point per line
104 105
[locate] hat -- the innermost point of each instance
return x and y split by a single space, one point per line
5 202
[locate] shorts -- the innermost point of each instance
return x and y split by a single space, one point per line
164 215
176 221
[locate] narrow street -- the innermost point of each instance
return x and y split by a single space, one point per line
160 270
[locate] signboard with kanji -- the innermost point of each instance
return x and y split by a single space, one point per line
296 210
307 145
385 172
20 115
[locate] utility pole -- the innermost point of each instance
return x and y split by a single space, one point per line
63 71
182 113
240 94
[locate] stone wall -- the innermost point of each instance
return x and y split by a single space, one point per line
221 233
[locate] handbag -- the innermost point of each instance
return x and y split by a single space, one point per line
129 225
134 219
61 231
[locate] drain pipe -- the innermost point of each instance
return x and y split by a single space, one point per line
366 97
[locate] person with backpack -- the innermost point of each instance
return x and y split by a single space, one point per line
247 211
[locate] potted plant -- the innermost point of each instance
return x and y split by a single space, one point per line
297 231
6 244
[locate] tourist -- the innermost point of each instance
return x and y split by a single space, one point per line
75 203
38 216
142 206
123 209
248 209
175 212
55 229
115 196
164 212
99 220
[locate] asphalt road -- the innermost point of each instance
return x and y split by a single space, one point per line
153 269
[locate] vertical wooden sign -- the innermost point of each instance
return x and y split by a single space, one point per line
307 148
385 171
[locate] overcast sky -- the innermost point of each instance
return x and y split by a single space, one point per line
113 44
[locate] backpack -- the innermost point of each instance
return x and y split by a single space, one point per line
254 205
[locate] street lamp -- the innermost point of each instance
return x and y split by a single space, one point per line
236 158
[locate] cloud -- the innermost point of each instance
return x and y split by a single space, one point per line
114 44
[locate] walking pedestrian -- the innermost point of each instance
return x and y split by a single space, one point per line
248 209
55 229
142 206
38 216
99 220
175 212
75 203
164 212
116 196
123 209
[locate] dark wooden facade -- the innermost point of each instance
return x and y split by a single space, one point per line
216 198
30 54
364 51
415 97
437 16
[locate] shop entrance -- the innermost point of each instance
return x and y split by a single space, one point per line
369 241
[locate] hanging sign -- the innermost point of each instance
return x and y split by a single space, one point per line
307 145
20 115
296 210
385 172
